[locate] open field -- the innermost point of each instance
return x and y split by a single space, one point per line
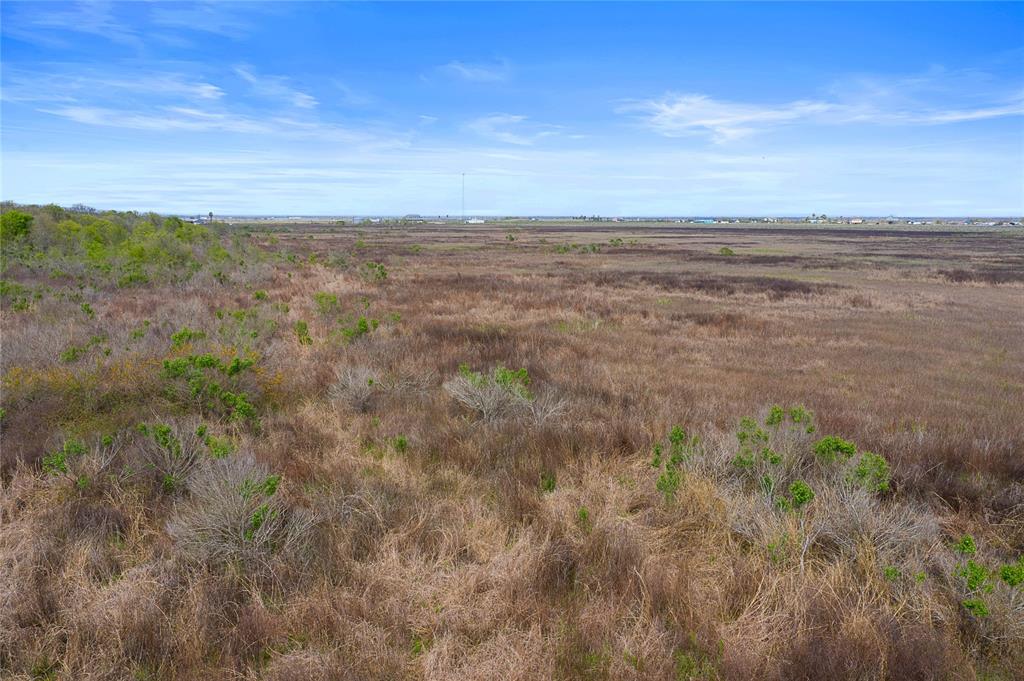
294 454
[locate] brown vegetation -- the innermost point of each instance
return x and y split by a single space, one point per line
385 515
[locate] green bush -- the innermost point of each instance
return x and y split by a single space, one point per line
185 335
831 449
56 462
966 546
326 303
14 225
872 472
204 376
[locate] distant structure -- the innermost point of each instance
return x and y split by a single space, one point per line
210 216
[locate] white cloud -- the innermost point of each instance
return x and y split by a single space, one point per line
510 129
479 72
688 114
275 87
677 115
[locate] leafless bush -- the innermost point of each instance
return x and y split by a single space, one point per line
491 401
845 516
546 406
235 515
354 386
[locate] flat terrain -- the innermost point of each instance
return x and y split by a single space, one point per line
376 499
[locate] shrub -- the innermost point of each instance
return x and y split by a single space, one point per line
374 271
172 451
831 449
56 462
1013 573
503 393
326 303
14 224
800 494
681 448
360 328
355 386
966 546
302 332
204 377
185 335
871 472
235 515
754 448
260 295
725 250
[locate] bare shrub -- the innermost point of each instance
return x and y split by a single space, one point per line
546 407
502 394
235 515
355 387
491 402
845 516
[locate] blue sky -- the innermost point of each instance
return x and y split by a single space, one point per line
611 109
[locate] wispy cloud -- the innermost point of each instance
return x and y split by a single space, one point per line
480 72
36 25
230 20
73 85
510 129
198 120
678 115
350 97
688 114
275 87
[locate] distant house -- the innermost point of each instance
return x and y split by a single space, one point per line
856 221
474 221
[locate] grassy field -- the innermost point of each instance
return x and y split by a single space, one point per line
520 452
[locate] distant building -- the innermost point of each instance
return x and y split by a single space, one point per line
474 221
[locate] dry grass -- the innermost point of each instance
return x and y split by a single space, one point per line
429 526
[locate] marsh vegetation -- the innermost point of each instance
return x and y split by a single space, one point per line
539 452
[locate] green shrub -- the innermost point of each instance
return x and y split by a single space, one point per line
361 327
374 271
326 303
872 472
547 481
14 225
966 546
976 606
302 333
1013 574
681 448
203 375
831 449
185 335
260 295
56 462
800 494
725 250
583 518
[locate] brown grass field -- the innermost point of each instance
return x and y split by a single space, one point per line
415 534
